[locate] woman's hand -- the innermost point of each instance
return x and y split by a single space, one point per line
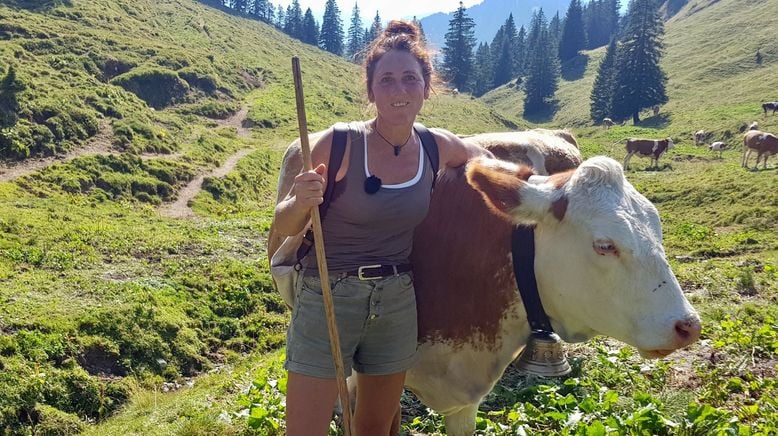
308 188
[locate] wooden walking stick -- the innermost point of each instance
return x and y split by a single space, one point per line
329 308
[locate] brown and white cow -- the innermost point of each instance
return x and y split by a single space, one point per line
598 245
653 148
765 144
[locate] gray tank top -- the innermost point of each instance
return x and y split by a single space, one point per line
367 229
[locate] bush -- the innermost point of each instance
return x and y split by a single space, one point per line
158 87
203 81
54 422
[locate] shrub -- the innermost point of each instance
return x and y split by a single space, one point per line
54 422
198 79
158 87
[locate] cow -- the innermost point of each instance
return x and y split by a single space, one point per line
607 122
598 244
699 137
655 109
770 105
653 148
753 126
765 144
717 146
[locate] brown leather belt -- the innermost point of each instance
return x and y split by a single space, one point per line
373 272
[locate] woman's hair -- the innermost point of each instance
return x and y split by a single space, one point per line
399 35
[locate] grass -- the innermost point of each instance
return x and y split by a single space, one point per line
106 303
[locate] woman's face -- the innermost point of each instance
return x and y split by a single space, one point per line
398 88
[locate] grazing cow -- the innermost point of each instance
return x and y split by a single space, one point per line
653 148
717 146
607 122
753 126
472 323
770 105
699 137
655 109
765 144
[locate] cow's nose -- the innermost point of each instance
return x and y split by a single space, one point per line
687 331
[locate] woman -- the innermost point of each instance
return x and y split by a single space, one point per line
366 224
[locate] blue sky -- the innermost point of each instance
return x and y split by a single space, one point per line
386 9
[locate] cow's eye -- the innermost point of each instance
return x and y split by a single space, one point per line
605 247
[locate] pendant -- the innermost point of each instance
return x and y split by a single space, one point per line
396 150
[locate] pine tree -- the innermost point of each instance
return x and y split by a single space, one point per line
458 49
555 31
310 29
259 9
602 92
376 28
503 61
422 36
573 33
542 68
331 36
354 44
294 20
639 80
520 52
280 17
239 5
483 70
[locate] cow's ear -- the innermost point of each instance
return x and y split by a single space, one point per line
505 189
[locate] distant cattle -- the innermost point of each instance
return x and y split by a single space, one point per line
653 148
699 137
607 122
753 126
765 145
717 146
655 109
770 105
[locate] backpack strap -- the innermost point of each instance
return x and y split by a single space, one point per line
339 136
430 149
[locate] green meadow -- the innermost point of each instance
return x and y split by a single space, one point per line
117 318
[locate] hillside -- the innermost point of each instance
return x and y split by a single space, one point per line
123 106
710 59
117 319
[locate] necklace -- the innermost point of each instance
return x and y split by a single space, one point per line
397 148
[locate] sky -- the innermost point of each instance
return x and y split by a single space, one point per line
387 9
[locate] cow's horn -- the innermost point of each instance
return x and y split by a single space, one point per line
543 355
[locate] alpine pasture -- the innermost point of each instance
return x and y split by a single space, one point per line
116 318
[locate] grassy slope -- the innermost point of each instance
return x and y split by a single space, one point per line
91 276
720 221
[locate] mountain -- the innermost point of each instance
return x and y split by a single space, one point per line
490 15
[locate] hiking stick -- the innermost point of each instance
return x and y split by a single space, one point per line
329 308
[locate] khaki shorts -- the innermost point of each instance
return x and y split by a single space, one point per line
376 322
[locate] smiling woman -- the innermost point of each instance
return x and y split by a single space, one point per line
380 192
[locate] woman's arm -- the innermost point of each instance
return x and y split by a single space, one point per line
454 151
307 191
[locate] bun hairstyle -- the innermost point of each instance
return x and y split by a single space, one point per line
399 35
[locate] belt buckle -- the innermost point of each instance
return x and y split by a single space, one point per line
361 272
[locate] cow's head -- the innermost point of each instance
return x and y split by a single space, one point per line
599 260
670 143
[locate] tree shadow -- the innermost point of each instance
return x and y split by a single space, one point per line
36 5
659 122
575 68
543 115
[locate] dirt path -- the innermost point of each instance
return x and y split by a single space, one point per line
180 208
236 121
100 144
